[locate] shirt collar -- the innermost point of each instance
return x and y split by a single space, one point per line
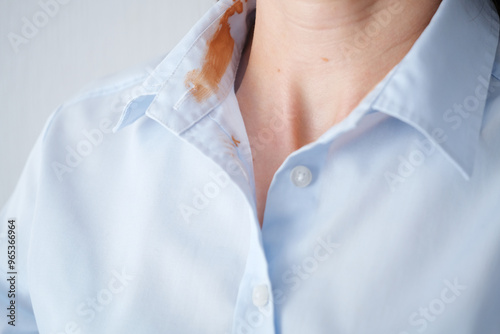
166 97
439 88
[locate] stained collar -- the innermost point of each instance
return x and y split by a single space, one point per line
439 88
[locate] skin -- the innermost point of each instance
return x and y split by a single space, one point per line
292 68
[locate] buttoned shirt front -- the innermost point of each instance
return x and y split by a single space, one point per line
136 210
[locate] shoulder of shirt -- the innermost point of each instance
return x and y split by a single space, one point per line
117 82
105 96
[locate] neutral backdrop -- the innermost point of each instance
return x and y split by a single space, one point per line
76 43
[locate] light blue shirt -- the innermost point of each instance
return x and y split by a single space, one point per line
136 210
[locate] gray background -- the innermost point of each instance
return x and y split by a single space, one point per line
81 42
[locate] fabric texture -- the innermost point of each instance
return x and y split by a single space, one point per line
136 210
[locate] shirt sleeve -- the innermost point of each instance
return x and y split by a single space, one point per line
16 221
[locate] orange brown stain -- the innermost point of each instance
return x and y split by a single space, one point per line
205 82
236 142
325 59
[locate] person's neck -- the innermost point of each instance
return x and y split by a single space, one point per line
315 60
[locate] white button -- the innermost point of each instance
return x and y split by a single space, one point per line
301 176
260 295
